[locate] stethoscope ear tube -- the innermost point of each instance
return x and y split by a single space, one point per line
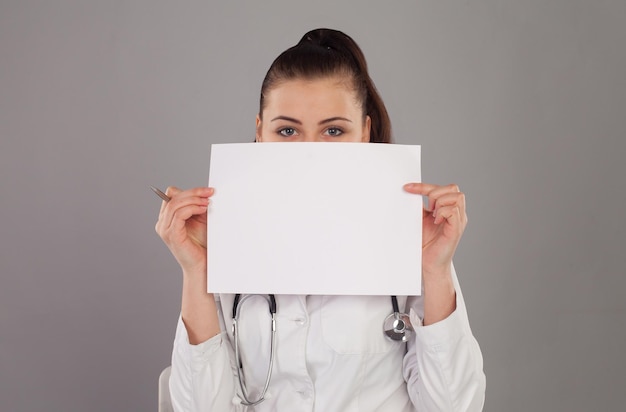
272 305
271 299
244 393
236 305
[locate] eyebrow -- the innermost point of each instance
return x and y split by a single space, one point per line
296 121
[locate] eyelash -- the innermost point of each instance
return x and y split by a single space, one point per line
338 131
282 131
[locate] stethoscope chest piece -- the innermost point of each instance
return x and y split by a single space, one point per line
397 326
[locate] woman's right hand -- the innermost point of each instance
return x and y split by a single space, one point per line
182 225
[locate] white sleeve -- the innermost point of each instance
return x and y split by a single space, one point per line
443 366
203 376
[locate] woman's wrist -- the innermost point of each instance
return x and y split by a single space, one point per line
439 294
198 308
195 273
437 272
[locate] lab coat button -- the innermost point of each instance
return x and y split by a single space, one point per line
300 321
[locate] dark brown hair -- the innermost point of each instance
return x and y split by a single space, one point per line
323 53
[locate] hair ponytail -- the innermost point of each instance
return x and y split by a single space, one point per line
323 53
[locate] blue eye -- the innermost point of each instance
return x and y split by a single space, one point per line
287 131
334 131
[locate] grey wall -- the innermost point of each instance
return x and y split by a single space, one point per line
521 103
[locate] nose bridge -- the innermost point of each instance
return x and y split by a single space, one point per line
311 136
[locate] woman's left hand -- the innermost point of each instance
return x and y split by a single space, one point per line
444 220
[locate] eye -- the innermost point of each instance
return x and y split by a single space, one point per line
287 131
334 131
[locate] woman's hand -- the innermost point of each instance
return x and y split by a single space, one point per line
182 225
443 223
444 220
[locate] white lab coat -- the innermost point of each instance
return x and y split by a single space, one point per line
331 356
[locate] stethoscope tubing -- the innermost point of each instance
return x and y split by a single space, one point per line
398 332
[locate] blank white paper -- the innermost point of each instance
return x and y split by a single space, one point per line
314 218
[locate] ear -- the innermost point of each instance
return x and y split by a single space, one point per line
367 126
258 128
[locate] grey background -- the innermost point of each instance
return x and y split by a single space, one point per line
521 103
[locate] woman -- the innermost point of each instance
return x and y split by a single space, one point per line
320 90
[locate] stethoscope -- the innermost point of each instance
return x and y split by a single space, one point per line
397 327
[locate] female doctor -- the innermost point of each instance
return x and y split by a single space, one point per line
328 353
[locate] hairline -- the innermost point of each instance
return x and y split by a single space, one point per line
347 79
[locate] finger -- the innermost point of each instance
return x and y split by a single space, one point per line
188 196
162 222
178 196
197 191
183 214
419 188
174 227
440 191
169 192
172 210
172 190
449 199
433 192
179 200
449 214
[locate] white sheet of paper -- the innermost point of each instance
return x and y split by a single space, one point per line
314 218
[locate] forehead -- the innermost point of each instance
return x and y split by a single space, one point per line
325 96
